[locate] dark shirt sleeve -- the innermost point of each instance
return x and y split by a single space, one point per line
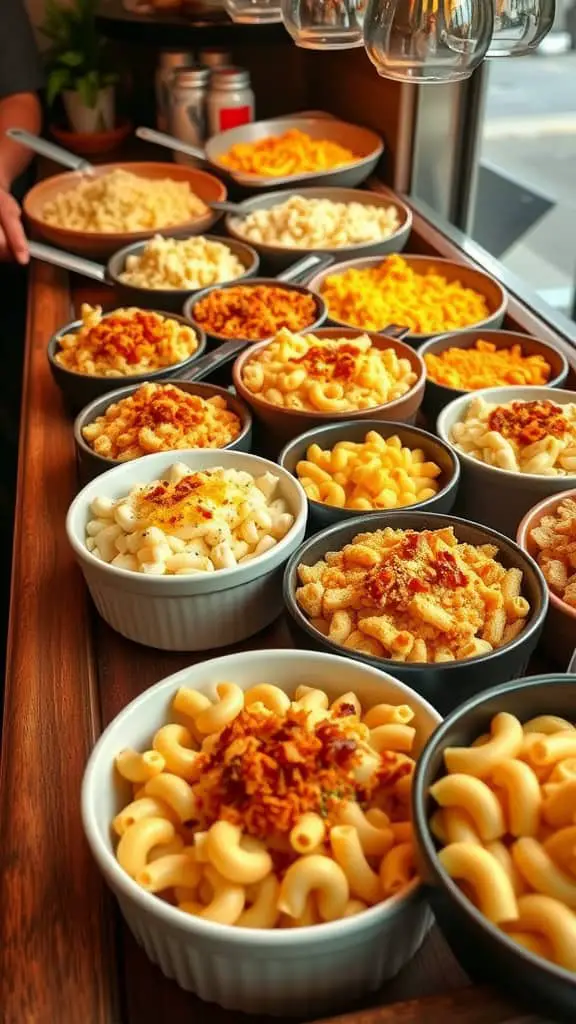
20 68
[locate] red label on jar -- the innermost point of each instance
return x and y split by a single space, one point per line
232 117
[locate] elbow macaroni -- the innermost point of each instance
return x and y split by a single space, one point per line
300 223
181 263
212 835
555 538
377 473
519 863
326 375
189 522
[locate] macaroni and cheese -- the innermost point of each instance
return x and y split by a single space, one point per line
555 536
300 223
393 292
484 365
122 202
254 311
261 811
378 473
279 156
189 522
181 263
327 375
124 343
506 821
159 418
521 437
413 596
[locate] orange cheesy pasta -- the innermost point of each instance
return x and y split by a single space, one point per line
484 365
279 156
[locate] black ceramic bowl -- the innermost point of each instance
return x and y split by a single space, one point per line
447 684
322 515
79 389
91 464
485 952
437 396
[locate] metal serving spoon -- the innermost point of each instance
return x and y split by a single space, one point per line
50 150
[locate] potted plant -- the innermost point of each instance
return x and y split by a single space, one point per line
78 66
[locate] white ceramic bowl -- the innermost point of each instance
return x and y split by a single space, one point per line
305 971
496 497
186 613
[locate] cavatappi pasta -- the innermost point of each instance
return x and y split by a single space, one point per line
124 343
326 375
301 223
484 365
521 437
123 202
160 418
375 473
393 292
189 522
181 263
258 810
413 596
506 820
555 536
279 156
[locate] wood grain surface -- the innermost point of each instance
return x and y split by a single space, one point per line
65 956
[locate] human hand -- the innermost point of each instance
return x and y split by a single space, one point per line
13 244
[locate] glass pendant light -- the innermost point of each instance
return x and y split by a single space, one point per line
254 12
520 26
426 41
324 24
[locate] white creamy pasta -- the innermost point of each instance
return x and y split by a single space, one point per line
301 223
189 522
181 263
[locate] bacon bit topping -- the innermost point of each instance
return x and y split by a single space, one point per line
330 361
264 771
410 568
133 337
193 500
528 422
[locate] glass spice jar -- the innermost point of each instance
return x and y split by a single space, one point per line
230 100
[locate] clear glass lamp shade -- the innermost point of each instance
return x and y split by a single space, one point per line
520 26
324 24
253 12
427 41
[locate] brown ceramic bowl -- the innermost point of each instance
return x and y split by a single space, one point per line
95 243
470 277
438 395
559 636
283 425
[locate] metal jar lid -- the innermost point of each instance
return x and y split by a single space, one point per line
194 77
175 59
230 78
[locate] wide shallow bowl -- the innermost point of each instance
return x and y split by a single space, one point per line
277 256
498 497
91 464
437 396
559 636
171 298
101 243
322 515
447 684
304 971
191 612
470 277
486 953
78 389
283 425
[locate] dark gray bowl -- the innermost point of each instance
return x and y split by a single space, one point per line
79 389
437 396
321 515
448 684
277 257
482 949
91 464
171 298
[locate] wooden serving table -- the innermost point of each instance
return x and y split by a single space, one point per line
65 955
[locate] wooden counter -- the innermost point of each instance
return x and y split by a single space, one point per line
65 956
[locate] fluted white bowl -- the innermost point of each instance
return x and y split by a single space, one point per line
196 612
310 970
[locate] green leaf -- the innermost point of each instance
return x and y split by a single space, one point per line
88 90
58 80
72 58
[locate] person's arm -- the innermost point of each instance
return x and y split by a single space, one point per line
20 79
